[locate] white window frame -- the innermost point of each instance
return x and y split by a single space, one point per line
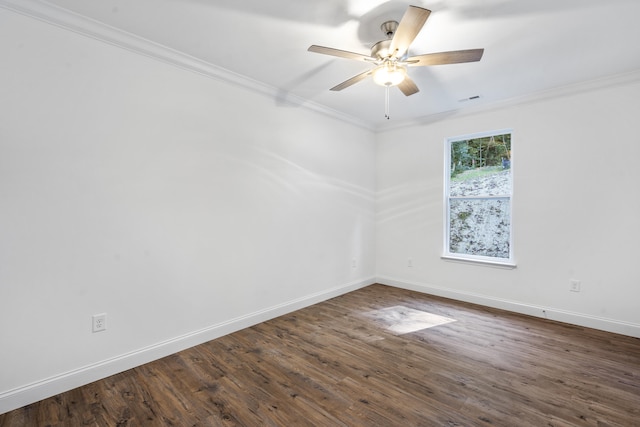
447 255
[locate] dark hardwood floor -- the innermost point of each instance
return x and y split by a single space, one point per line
338 363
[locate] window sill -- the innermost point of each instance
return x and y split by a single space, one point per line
488 263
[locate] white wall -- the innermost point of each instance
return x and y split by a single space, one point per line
181 206
575 209
186 208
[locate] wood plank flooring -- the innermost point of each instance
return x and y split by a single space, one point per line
338 364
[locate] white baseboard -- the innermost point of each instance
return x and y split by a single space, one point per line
48 387
601 323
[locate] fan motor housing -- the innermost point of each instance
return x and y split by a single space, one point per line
381 49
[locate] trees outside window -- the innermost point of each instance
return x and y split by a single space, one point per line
478 192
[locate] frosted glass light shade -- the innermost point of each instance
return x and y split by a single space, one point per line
389 75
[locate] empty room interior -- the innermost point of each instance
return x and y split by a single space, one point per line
201 225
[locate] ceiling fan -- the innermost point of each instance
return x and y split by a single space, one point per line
391 59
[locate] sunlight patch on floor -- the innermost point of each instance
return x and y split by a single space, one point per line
403 320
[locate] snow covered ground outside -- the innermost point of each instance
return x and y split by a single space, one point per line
481 226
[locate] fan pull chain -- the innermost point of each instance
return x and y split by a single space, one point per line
386 102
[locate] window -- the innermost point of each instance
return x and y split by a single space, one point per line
478 192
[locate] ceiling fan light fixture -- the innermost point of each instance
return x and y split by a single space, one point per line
389 74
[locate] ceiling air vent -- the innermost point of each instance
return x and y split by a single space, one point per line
471 98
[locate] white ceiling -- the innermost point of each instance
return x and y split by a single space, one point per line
530 46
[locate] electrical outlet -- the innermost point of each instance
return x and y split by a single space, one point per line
99 322
354 264
410 262
574 285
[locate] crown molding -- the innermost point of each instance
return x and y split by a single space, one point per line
80 24
557 92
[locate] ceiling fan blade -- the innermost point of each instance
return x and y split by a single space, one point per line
409 27
340 53
441 58
353 80
408 86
